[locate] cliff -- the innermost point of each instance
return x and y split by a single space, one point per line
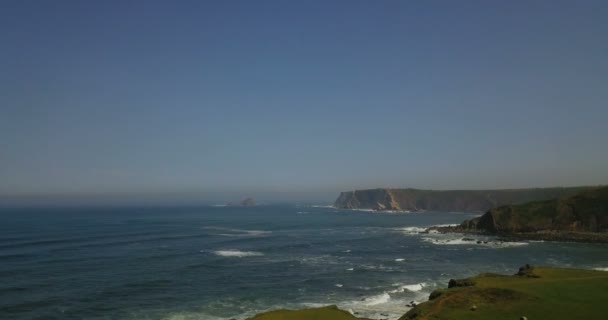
449 200
584 215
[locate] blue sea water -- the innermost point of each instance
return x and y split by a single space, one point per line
233 262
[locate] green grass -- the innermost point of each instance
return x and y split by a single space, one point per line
550 293
556 294
324 313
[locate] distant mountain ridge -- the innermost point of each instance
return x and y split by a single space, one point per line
446 200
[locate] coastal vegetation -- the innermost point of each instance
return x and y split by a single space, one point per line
532 293
323 313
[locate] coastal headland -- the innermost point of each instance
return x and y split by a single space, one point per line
446 200
582 217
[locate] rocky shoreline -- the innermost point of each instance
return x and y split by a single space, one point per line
553 235
579 218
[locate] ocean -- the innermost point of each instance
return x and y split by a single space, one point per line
216 262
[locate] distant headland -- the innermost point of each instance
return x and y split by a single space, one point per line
447 200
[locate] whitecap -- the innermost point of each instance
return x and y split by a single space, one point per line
364 210
412 230
237 253
409 287
474 242
377 299
231 232
350 269
339 285
399 259
601 269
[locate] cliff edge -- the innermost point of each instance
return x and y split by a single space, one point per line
581 217
446 200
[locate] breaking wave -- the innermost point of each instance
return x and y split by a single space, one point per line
231 232
409 287
237 253
474 242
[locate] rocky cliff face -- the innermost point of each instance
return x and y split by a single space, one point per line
586 212
450 200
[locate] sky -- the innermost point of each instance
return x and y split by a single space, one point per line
299 100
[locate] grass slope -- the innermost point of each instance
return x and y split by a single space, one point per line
324 313
544 293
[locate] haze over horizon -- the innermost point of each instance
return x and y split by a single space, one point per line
290 101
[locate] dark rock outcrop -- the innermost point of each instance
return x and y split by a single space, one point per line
247 202
460 283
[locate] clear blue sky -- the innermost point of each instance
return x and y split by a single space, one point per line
300 99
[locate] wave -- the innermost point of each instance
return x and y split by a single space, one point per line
414 230
377 299
409 287
237 253
231 232
474 242
411 230
364 210
399 259
601 269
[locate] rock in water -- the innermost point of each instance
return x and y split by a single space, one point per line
247 202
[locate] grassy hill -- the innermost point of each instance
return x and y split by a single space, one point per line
537 293
324 313
534 292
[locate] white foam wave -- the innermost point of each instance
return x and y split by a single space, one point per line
237 253
601 269
412 230
399 259
476 242
377 299
339 285
231 232
409 287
